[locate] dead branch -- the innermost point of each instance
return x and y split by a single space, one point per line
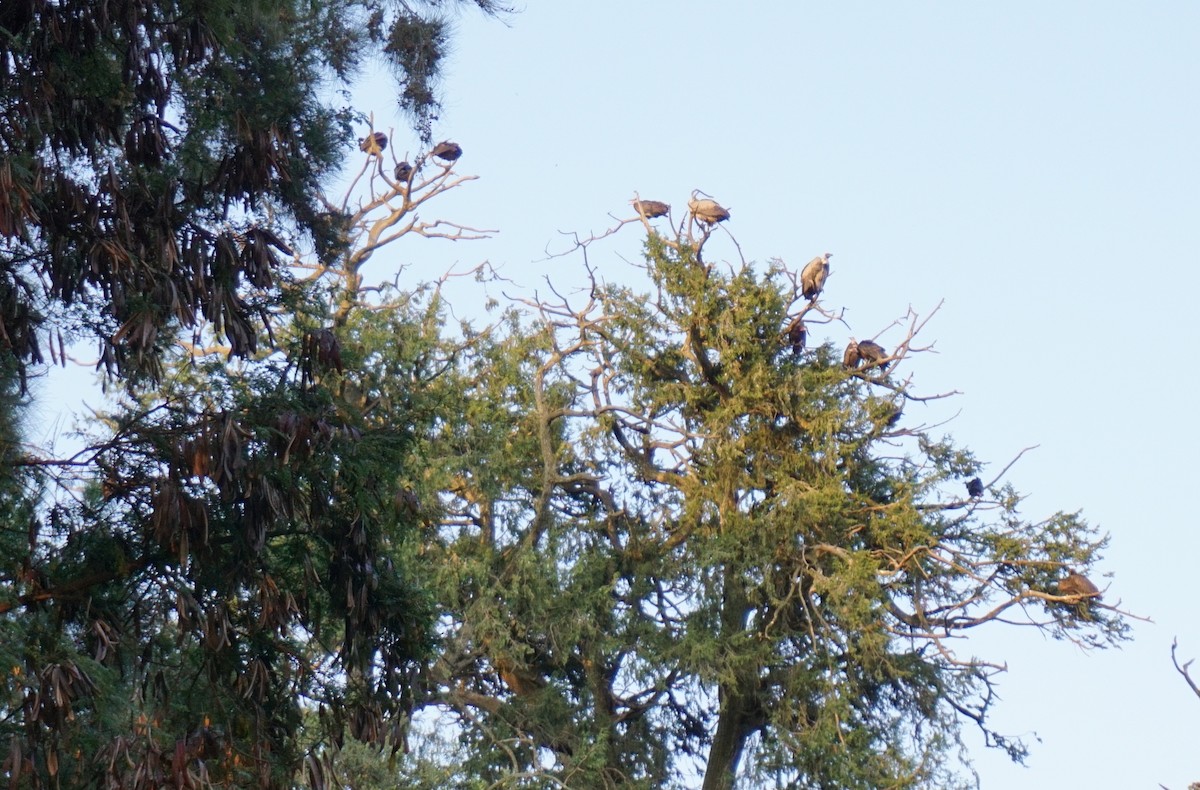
1184 669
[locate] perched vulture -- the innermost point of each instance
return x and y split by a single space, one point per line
1078 584
373 144
812 278
447 151
706 210
974 488
871 352
407 502
521 680
650 208
403 172
797 335
851 358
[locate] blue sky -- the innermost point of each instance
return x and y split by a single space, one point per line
1035 166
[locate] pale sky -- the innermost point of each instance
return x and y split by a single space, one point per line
1036 166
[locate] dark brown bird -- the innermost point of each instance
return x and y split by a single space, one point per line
374 144
812 278
707 210
871 353
974 488
1078 585
650 208
447 151
797 335
403 172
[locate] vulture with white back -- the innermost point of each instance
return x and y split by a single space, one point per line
447 151
650 208
707 210
812 277
373 144
850 359
1078 585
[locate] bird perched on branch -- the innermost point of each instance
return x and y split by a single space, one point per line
974 488
521 680
373 144
403 172
871 353
797 335
707 210
812 278
650 208
850 358
447 151
1077 584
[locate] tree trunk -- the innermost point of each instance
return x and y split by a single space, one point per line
740 711
733 729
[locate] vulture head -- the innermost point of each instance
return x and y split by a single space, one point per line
373 144
403 172
707 210
447 151
812 277
650 208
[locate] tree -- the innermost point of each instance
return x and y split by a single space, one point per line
632 541
157 153
217 587
676 547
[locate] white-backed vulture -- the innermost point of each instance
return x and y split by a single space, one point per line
707 210
1079 585
812 278
850 359
650 208
373 144
447 151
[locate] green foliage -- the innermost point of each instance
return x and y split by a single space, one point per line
156 153
635 539
220 587
675 546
